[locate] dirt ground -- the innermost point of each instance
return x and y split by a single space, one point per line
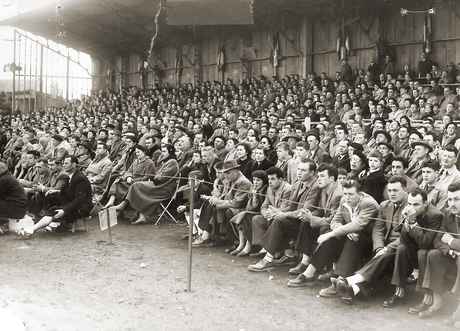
67 282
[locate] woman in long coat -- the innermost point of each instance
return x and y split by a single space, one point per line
243 220
145 196
13 201
140 170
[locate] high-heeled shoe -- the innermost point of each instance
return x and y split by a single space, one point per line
236 251
243 253
230 249
139 220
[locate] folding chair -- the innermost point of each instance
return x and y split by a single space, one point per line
165 207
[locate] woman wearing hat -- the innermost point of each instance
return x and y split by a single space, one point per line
145 196
243 220
141 169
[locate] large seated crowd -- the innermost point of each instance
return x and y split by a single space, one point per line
353 181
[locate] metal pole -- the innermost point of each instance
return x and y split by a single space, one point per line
13 101
109 225
190 235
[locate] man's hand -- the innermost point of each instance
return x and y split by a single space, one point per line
41 187
305 215
213 201
353 236
446 238
278 217
324 237
59 214
181 209
51 192
129 180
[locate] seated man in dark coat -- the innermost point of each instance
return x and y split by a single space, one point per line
443 262
416 239
74 199
13 200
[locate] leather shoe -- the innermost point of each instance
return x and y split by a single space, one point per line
301 281
393 301
418 308
328 292
344 290
325 277
285 260
257 254
298 269
262 265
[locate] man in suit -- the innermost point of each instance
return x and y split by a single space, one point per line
443 263
341 158
436 197
117 146
449 172
312 225
421 154
277 199
419 219
209 160
347 242
285 224
402 143
98 171
221 209
317 154
75 198
385 240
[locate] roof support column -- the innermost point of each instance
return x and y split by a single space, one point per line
306 45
